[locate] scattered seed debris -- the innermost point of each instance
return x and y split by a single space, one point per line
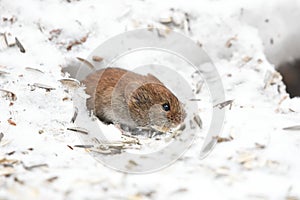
50 180
199 87
260 146
83 146
79 130
74 115
114 145
199 44
18 181
292 128
187 25
229 41
283 99
11 19
1 136
10 95
165 19
4 38
247 59
5 161
70 147
224 139
89 64
198 121
104 151
97 58
43 86
33 166
18 43
224 104
34 69
129 139
11 122
9 40
194 99
65 98
246 157
70 82
3 73
77 42
10 153
54 34
270 78
132 162
259 61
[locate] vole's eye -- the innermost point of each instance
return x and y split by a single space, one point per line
166 106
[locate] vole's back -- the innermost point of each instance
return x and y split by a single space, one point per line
107 89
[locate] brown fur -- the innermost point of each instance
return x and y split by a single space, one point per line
131 99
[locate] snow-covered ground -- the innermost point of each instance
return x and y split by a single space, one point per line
246 40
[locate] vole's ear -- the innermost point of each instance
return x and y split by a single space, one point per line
153 79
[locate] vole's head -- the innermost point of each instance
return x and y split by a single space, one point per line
153 105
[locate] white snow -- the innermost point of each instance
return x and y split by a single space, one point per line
261 162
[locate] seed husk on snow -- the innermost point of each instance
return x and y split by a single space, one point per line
97 58
43 86
198 121
87 63
1 136
70 147
10 95
165 19
34 166
50 180
11 122
199 86
34 69
70 82
83 146
79 130
9 40
246 157
3 72
270 78
224 139
292 128
18 43
74 115
229 41
224 104
194 99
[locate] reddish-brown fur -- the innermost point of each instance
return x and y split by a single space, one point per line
131 99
